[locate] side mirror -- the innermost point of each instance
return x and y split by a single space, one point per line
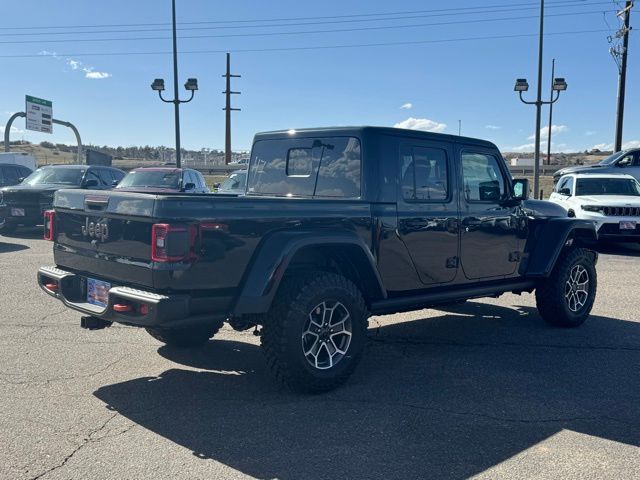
91 183
520 189
115 183
20 179
189 186
565 191
625 162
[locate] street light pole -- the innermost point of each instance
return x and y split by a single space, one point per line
536 164
559 85
176 102
191 85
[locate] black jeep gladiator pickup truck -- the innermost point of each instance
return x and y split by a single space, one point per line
335 225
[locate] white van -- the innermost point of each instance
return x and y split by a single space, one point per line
23 159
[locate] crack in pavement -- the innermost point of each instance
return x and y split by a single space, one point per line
60 379
87 440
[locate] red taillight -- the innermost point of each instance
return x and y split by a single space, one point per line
52 287
49 225
122 307
173 243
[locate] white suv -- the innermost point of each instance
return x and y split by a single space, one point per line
611 201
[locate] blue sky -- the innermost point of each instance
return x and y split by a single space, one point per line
429 85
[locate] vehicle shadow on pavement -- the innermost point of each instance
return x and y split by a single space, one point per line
11 247
31 233
445 397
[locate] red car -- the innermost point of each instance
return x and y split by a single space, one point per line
163 180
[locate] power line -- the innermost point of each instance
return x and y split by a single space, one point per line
318 20
317 47
301 32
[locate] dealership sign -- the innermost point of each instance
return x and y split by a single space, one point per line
39 114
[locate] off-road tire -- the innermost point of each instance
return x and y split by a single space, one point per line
284 324
185 337
551 292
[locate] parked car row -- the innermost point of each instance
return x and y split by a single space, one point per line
26 195
607 194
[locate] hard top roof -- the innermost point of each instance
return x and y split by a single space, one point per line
364 130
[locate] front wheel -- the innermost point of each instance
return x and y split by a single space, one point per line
565 298
185 337
314 335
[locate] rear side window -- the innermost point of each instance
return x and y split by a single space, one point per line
339 172
308 167
105 177
10 175
483 180
24 172
424 174
117 174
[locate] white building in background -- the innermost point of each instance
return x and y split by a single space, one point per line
521 162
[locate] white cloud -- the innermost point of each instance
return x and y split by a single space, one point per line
631 144
423 124
527 147
602 146
95 75
77 65
407 106
590 133
74 64
544 131
13 130
492 127
530 148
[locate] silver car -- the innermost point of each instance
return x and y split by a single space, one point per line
626 161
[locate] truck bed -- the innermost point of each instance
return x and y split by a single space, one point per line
109 234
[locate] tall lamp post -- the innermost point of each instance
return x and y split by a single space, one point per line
191 85
559 85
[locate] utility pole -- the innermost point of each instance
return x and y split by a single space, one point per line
191 86
228 110
553 72
622 77
459 127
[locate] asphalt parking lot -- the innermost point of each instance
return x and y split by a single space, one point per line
482 390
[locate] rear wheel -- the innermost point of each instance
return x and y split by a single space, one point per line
185 337
315 333
565 298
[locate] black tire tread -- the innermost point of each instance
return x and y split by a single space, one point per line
290 294
549 292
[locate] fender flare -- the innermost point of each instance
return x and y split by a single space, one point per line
271 259
550 241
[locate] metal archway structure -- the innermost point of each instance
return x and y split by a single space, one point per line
7 132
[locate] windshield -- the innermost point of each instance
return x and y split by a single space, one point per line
236 181
607 186
56 176
611 158
151 178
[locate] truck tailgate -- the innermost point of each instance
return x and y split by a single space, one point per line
107 235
